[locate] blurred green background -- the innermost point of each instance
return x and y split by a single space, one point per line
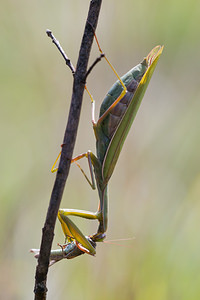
155 189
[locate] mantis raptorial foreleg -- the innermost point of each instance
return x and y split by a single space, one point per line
71 231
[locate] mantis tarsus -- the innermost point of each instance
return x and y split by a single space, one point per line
117 113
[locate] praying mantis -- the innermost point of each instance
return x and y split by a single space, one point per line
117 113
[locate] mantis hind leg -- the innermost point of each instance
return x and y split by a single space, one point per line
120 80
115 72
111 66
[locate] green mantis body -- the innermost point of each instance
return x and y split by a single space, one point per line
117 113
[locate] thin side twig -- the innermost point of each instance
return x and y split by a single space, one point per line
67 151
98 59
56 42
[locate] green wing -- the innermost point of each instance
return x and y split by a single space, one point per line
119 137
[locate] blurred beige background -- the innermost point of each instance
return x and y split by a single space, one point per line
155 189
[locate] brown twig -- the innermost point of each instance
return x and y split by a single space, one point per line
67 151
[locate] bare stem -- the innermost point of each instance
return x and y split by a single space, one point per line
67 151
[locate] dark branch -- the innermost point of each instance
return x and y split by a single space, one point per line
67 151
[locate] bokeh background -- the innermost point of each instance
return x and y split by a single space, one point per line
155 189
